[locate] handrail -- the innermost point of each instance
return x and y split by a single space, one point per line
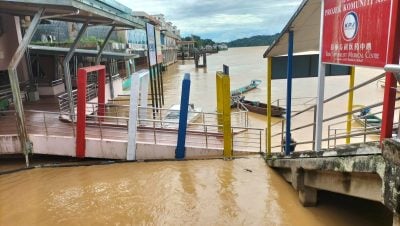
333 117
342 93
396 108
106 127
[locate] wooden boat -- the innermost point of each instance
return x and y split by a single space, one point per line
171 119
235 100
261 108
253 84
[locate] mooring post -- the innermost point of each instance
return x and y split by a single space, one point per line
183 117
224 109
204 59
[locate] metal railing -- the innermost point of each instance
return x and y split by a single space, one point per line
199 134
280 132
366 129
296 102
63 100
238 118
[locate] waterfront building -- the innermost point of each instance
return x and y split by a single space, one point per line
167 37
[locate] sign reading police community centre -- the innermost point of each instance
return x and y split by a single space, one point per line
356 32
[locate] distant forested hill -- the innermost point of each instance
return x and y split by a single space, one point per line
258 40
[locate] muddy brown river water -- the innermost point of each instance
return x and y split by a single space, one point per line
200 192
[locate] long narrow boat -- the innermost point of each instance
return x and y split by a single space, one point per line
366 119
261 108
253 84
171 119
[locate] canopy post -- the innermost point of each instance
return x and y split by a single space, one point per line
26 145
67 74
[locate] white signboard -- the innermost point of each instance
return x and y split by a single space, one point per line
151 44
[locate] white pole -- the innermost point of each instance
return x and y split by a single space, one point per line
133 116
144 89
321 88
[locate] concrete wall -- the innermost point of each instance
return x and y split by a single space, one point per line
97 148
51 90
53 145
155 151
9 144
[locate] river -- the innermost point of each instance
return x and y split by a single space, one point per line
198 192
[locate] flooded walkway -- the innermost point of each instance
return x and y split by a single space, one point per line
203 192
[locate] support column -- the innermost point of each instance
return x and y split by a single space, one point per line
389 99
152 90
81 114
158 73
98 59
321 88
269 106
308 196
183 118
133 117
162 87
288 140
67 74
101 95
127 68
155 77
26 145
103 45
350 104
81 104
144 90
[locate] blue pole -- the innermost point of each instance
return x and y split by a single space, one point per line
183 116
289 93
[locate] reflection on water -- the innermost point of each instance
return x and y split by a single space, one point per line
204 192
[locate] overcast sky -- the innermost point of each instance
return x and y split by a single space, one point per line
222 20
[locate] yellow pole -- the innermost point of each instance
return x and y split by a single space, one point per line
224 108
269 102
219 99
350 104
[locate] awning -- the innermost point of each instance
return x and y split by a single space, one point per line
306 26
105 12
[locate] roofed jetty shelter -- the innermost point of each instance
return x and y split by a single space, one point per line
24 65
328 38
186 49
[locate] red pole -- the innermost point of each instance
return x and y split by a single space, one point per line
101 81
81 114
392 58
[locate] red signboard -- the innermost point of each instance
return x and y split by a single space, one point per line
356 32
